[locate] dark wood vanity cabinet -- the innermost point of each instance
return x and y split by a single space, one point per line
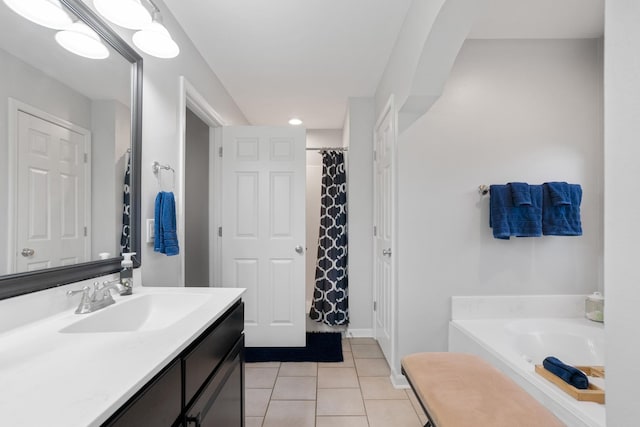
202 387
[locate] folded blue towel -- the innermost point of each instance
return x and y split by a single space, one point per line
567 373
507 219
158 240
561 209
520 193
166 237
559 193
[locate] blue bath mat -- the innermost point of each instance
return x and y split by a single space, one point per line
321 347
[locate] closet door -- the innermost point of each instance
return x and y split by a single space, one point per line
263 230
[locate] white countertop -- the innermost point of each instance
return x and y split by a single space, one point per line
52 379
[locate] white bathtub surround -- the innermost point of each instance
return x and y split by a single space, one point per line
81 378
516 333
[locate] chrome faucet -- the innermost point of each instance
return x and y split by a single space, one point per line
100 298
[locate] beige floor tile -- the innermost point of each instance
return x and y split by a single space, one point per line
362 341
416 405
396 413
380 388
340 401
372 367
298 369
337 378
256 401
260 377
346 363
263 364
366 351
346 346
294 388
253 421
287 413
342 422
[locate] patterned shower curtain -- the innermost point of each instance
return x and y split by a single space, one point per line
125 237
330 296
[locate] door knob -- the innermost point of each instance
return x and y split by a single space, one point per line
299 249
27 252
386 252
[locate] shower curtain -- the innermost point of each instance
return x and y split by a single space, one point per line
330 296
125 238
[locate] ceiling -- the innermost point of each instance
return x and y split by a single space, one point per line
284 58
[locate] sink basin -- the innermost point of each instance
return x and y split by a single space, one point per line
140 313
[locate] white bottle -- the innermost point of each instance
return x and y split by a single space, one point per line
126 274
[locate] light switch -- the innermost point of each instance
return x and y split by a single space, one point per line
151 227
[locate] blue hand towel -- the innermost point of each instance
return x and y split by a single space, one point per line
158 242
520 193
507 219
166 237
168 218
567 373
558 217
559 193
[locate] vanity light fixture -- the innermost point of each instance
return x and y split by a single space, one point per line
131 14
295 121
48 13
78 38
155 39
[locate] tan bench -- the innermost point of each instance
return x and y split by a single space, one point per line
462 390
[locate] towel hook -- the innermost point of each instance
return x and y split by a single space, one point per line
483 189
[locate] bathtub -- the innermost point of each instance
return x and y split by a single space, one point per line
515 345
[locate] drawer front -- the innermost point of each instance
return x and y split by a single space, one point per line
158 404
221 402
200 362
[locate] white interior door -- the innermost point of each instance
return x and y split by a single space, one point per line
50 224
263 230
383 239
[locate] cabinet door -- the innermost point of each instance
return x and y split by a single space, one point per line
158 404
221 403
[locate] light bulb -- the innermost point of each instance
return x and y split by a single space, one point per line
78 38
295 121
156 41
129 14
48 13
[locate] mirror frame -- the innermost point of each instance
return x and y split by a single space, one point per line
12 285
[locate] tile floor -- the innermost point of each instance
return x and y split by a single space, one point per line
353 393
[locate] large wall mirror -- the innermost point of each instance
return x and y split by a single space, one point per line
70 148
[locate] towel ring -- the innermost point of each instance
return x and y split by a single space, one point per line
156 167
483 189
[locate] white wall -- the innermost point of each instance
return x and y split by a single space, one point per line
24 83
160 129
315 138
511 111
622 209
358 136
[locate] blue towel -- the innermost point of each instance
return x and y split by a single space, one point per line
508 219
520 193
558 217
166 237
567 373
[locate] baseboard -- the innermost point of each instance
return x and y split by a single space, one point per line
359 333
398 380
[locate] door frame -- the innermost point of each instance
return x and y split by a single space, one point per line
388 110
15 106
191 98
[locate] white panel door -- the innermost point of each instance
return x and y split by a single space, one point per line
263 230
383 239
51 195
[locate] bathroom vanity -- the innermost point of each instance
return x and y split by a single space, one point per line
161 357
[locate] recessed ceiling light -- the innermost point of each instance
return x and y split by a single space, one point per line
48 13
295 121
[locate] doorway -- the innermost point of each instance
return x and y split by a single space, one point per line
196 193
